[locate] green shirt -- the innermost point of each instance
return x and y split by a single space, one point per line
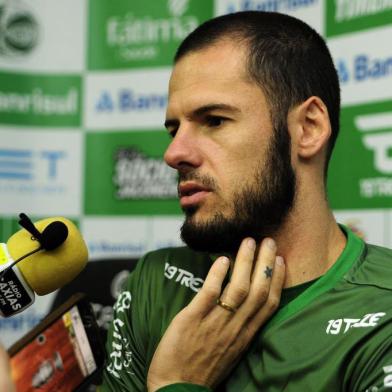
335 336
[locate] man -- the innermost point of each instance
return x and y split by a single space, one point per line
253 114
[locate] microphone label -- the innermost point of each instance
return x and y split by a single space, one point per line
13 295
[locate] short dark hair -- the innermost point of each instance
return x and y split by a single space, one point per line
287 58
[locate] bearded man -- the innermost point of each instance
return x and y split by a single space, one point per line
253 114
270 294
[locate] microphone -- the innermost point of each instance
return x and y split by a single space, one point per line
40 258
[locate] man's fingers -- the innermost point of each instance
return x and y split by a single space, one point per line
264 263
261 279
255 285
272 302
238 289
211 290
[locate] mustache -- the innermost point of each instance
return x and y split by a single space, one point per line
202 179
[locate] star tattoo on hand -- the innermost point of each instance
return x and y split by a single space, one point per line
268 272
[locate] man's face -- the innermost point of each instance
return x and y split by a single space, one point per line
235 176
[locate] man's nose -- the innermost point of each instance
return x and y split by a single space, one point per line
183 150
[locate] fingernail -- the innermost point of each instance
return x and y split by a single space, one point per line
224 260
270 243
251 243
279 260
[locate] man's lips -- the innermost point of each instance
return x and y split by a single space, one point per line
191 193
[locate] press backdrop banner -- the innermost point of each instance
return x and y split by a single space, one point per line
83 92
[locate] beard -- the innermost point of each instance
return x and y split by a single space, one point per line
260 207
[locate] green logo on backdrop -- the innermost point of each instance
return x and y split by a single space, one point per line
344 16
50 100
361 169
125 174
138 176
141 34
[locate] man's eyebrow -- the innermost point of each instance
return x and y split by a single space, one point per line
215 106
202 110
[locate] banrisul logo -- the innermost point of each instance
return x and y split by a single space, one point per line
127 100
19 29
124 34
344 16
264 5
40 99
137 176
364 67
364 64
361 168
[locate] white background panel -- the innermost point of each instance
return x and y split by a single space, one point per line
115 237
360 55
119 237
166 232
124 100
368 224
40 171
61 36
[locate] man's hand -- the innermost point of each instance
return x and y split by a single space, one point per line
206 339
6 384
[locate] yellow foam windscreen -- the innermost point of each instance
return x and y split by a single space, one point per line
46 271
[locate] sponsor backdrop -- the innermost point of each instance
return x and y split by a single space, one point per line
83 91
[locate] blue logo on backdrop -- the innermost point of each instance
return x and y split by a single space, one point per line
22 164
16 164
52 158
269 5
364 68
127 100
343 71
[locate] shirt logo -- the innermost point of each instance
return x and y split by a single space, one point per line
120 357
183 277
343 325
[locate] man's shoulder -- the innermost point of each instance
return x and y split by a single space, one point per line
374 268
380 253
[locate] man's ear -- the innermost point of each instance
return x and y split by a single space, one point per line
310 127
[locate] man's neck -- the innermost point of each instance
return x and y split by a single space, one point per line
310 242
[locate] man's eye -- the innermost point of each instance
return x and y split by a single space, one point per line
215 121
